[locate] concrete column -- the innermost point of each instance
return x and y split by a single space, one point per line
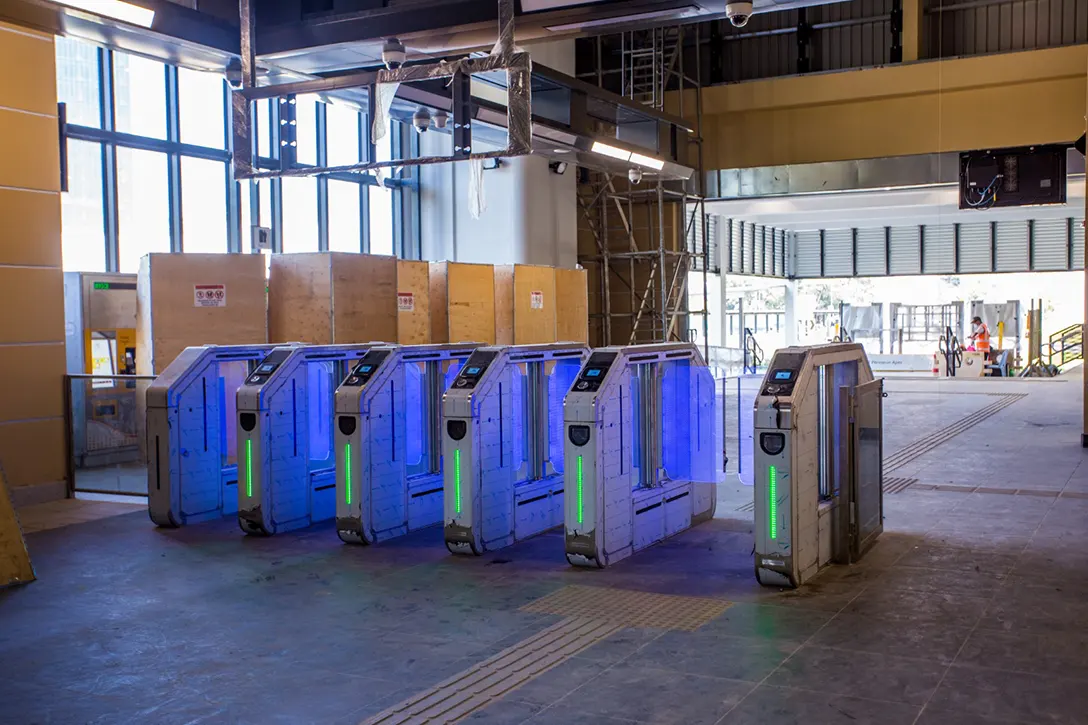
913 18
790 318
1084 432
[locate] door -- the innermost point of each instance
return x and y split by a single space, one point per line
867 476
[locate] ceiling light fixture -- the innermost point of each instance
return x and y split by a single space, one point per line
612 151
684 12
648 161
116 9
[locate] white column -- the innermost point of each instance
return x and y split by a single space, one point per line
790 318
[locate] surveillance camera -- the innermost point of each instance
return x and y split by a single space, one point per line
739 12
421 119
440 118
634 175
393 54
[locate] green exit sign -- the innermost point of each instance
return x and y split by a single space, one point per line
101 285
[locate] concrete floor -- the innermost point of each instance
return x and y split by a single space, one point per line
972 609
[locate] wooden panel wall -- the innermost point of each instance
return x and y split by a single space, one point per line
32 443
571 306
534 305
504 304
413 325
364 298
462 302
300 298
169 321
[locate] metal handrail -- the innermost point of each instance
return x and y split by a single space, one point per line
1067 344
751 347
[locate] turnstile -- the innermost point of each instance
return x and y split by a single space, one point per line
285 436
389 440
192 470
643 451
818 462
503 444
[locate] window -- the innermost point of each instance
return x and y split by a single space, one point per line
300 214
77 82
306 129
203 205
262 115
381 201
345 227
139 88
342 130
202 108
143 209
83 237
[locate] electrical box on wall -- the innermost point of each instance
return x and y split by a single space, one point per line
1012 177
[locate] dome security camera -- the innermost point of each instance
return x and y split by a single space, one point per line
440 118
739 12
634 175
393 54
421 120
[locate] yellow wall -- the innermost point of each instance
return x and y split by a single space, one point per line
32 448
1011 99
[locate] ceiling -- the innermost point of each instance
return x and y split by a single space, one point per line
937 204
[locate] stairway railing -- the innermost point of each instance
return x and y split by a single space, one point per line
1066 345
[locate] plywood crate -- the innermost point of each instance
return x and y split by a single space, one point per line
462 302
524 304
332 297
413 302
571 306
197 299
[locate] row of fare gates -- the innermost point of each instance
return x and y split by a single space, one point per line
621 447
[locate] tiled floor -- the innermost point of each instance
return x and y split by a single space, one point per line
971 610
67 512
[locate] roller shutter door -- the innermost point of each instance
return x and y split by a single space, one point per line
939 249
759 233
736 245
905 257
1078 244
1011 245
780 253
871 252
806 254
749 249
1050 245
838 252
975 251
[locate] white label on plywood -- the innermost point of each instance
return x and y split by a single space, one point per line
406 302
209 295
536 300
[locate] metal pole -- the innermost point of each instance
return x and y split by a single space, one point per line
661 260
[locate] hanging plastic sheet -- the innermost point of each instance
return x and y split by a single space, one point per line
380 125
477 201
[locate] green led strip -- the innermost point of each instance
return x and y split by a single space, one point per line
457 478
772 496
249 467
581 510
347 473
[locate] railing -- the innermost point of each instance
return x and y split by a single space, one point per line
949 347
753 353
1066 345
104 421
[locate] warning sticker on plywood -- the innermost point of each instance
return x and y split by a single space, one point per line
536 300
406 302
209 295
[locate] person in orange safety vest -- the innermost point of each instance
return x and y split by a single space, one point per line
980 335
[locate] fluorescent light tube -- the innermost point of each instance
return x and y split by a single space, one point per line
648 161
116 9
618 19
605 150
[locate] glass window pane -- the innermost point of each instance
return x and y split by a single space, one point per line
203 205
344 217
143 208
139 87
261 122
245 216
299 214
83 235
202 108
381 220
342 126
77 81
306 129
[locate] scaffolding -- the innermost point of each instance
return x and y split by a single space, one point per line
640 240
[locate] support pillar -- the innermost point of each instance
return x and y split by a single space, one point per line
1084 431
790 317
912 32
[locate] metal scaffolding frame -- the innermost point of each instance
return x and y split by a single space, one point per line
645 239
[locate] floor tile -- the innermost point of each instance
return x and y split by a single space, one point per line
996 694
784 706
697 653
927 640
880 677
